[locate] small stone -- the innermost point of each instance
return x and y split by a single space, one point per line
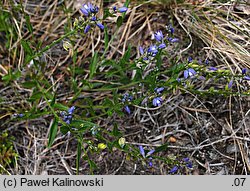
232 149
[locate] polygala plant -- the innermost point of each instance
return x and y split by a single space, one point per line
132 82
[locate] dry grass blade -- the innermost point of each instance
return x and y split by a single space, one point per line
223 29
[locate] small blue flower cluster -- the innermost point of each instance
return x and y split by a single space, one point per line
157 101
245 74
147 156
184 163
16 115
127 98
191 73
90 11
121 9
150 53
67 116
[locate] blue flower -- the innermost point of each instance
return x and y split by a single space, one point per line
93 9
93 18
244 71
202 78
127 109
170 29
188 162
114 8
246 77
159 90
162 46
174 169
158 36
67 116
20 115
213 68
150 153
150 162
173 40
87 28
153 49
141 50
142 151
189 73
230 84
87 9
71 110
207 61
130 98
100 25
127 97
189 165
122 9
67 121
157 101
186 159
190 59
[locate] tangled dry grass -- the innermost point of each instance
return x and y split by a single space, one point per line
213 131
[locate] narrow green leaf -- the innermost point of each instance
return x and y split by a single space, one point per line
82 124
27 48
52 103
158 60
93 65
29 26
60 106
116 131
35 96
92 165
127 54
161 148
64 129
78 156
53 132
29 84
106 37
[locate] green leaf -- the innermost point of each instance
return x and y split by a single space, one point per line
119 21
127 54
82 125
53 132
106 37
78 156
29 84
26 47
64 129
49 95
125 59
52 103
161 148
93 65
29 26
11 76
60 106
92 165
116 131
126 4
35 96
158 60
